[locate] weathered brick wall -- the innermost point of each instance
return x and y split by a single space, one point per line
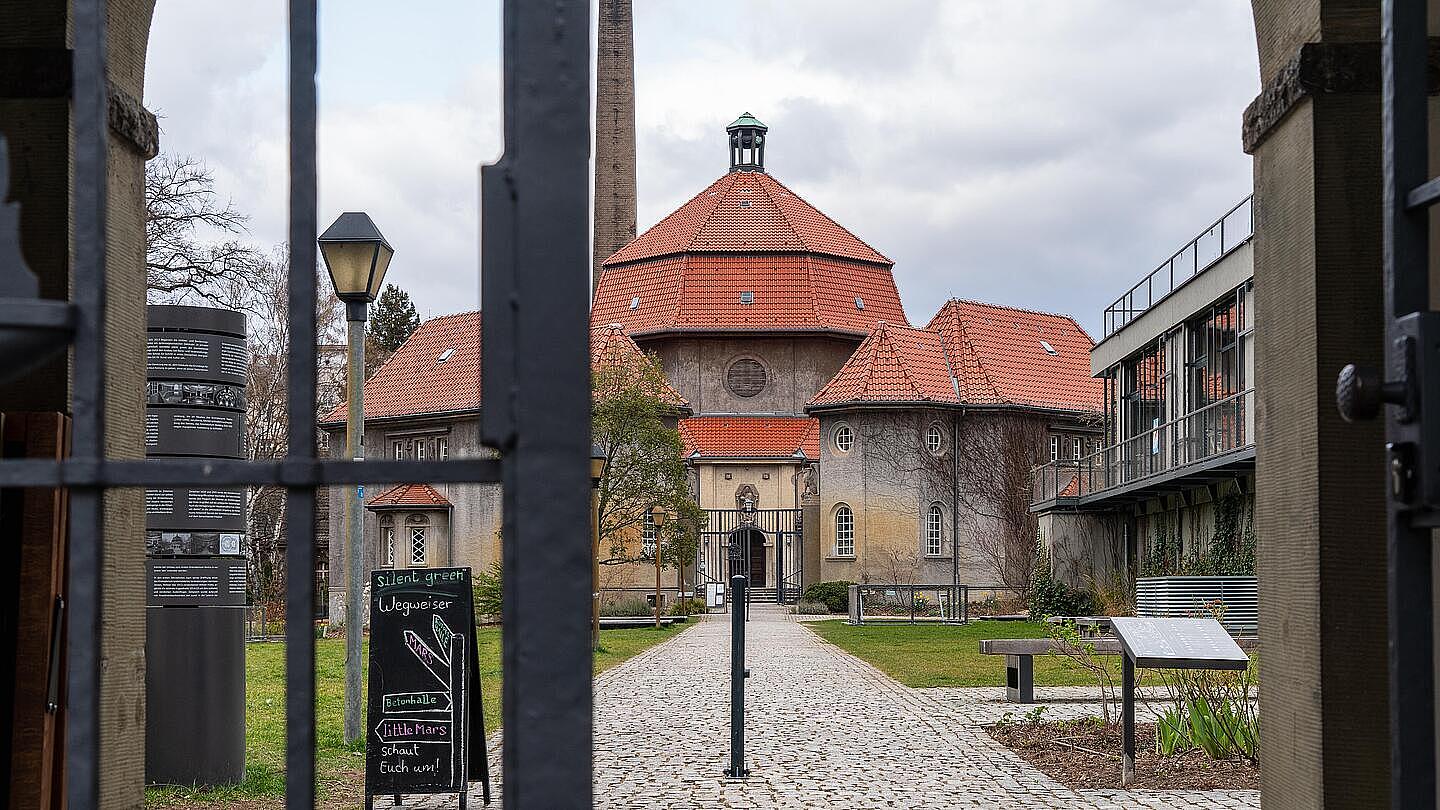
614 131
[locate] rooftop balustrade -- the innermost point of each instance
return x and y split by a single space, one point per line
1229 232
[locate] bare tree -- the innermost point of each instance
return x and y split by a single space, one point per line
192 249
985 476
266 297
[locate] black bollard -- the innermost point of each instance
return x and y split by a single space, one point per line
738 674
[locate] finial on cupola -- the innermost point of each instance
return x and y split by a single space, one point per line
747 144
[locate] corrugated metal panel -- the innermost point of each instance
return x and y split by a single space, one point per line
1178 597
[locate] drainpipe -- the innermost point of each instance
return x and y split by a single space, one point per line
955 501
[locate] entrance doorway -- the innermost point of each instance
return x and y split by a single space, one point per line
757 559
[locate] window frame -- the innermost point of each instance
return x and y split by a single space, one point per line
387 546
938 435
849 441
647 538
844 534
418 534
1054 447
935 531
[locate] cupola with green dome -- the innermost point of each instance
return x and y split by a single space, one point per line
747 144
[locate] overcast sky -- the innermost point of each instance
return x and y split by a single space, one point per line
1039 153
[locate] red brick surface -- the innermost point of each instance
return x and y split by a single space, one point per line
751 436
413 495
972 354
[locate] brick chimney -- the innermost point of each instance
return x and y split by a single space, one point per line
614 132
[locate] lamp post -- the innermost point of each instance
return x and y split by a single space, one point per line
597 471
357 257
657 519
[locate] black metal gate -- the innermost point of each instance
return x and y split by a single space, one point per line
782 564
1410 383
536 405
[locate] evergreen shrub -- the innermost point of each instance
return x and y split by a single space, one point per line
835 595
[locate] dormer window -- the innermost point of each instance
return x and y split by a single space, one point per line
635 302
859 302
445 355
747 297
1050 350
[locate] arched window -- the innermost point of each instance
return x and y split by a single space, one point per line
844 532
934 531
934 440
387 541
418 526
844 438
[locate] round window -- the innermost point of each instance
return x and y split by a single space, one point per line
746 378
844 438
934 439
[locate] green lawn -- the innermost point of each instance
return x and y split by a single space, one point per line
926 655
337 765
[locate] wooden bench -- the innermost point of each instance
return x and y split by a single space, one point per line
1020 659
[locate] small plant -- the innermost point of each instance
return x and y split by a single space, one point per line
808 608
835 595
1035 716
1212 712
489 588
1070 644
628 608
687 607
1051 597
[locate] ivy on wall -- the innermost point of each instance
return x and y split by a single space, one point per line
1230 550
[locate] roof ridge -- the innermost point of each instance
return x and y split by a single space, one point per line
827 217
1011 308
963 335
904 367
783 214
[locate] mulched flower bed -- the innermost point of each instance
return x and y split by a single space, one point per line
1087 755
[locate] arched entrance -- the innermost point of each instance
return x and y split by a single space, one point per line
746 551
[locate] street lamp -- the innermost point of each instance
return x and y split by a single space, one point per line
657 518
597 471
357 256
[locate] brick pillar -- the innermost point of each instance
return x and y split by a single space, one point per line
614 132
1320 510
36 121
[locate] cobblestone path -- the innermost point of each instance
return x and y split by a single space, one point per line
824 730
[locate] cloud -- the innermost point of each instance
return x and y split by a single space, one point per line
1031 152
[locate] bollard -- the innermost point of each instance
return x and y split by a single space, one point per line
738 674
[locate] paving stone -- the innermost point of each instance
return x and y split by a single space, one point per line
823 730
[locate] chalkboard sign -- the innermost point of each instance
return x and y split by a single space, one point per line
425 722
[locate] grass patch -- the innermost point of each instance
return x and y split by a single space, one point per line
925 655
338 766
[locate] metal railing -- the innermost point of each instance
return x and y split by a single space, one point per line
915 603
1213 244
1209 431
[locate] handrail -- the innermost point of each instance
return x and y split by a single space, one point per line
1162 281
1219 427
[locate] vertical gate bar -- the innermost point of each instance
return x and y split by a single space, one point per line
87 518
300 407
1406 259
535 281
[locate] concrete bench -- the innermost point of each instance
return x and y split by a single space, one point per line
1020 659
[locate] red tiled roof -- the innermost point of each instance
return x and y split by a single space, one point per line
422 496
972 354
751 436
413 382
611 347
893 364
802 271
748 212
1000 351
